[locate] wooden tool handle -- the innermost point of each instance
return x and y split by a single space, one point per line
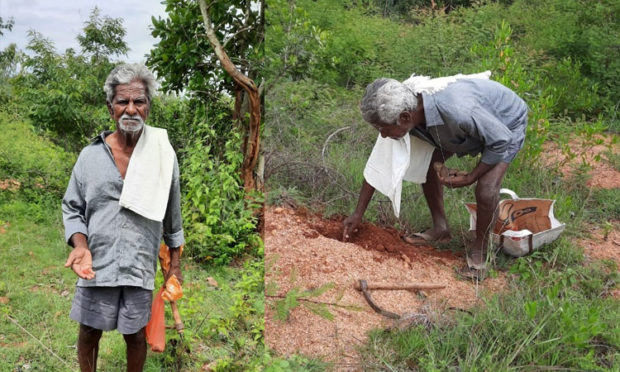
406 287
178 323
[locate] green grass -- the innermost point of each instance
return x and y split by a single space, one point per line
553 315
295 363
42 168
36 330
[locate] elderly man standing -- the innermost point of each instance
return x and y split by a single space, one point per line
466 117
123 196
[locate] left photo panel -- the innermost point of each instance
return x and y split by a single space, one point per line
131 192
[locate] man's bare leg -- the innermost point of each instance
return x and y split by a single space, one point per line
136 350
433 192
487 199
88 348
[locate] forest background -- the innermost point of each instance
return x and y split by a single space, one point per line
52 103
561 56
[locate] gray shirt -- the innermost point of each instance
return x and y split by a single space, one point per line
473 116
124 245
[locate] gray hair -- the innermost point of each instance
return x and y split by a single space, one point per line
125 74
385 99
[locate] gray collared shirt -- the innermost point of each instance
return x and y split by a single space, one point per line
124 245
475 116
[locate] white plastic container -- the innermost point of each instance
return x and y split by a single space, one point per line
518 243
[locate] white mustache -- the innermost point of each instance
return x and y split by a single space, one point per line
131 128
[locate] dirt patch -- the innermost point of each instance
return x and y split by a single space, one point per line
603 243
10 184
602 174
387 240
306 253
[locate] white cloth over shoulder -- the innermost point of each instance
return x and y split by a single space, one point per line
424 84
392 161
149 175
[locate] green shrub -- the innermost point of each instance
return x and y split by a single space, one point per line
220 223
583 31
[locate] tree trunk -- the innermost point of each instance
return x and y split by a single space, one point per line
252 139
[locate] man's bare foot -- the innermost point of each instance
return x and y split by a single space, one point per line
475 257
428 236
467 273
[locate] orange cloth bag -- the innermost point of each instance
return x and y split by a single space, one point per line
156 327
170 291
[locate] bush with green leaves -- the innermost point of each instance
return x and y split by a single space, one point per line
219 221
63 93
581 31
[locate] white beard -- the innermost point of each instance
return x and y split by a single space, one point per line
130 128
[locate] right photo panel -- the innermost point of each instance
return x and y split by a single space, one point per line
441 185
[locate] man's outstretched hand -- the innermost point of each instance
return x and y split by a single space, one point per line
81 262
350 226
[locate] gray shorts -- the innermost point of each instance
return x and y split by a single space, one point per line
127 309
518 139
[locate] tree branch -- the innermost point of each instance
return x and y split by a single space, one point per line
235 34
252 140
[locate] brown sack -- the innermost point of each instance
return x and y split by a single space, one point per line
521 214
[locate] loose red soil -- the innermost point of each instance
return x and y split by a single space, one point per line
304 251
385 239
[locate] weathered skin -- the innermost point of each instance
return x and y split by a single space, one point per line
130 99
487 177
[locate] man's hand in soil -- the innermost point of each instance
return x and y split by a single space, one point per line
352 222
350 226
81 262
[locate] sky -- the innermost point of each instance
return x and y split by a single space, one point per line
62 20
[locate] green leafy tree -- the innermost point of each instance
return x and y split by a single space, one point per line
6 25
210 53
210 49
185 60
9 58
64 91
103 36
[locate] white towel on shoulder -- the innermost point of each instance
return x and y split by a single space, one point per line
408 158
149 175
424 84
392 161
